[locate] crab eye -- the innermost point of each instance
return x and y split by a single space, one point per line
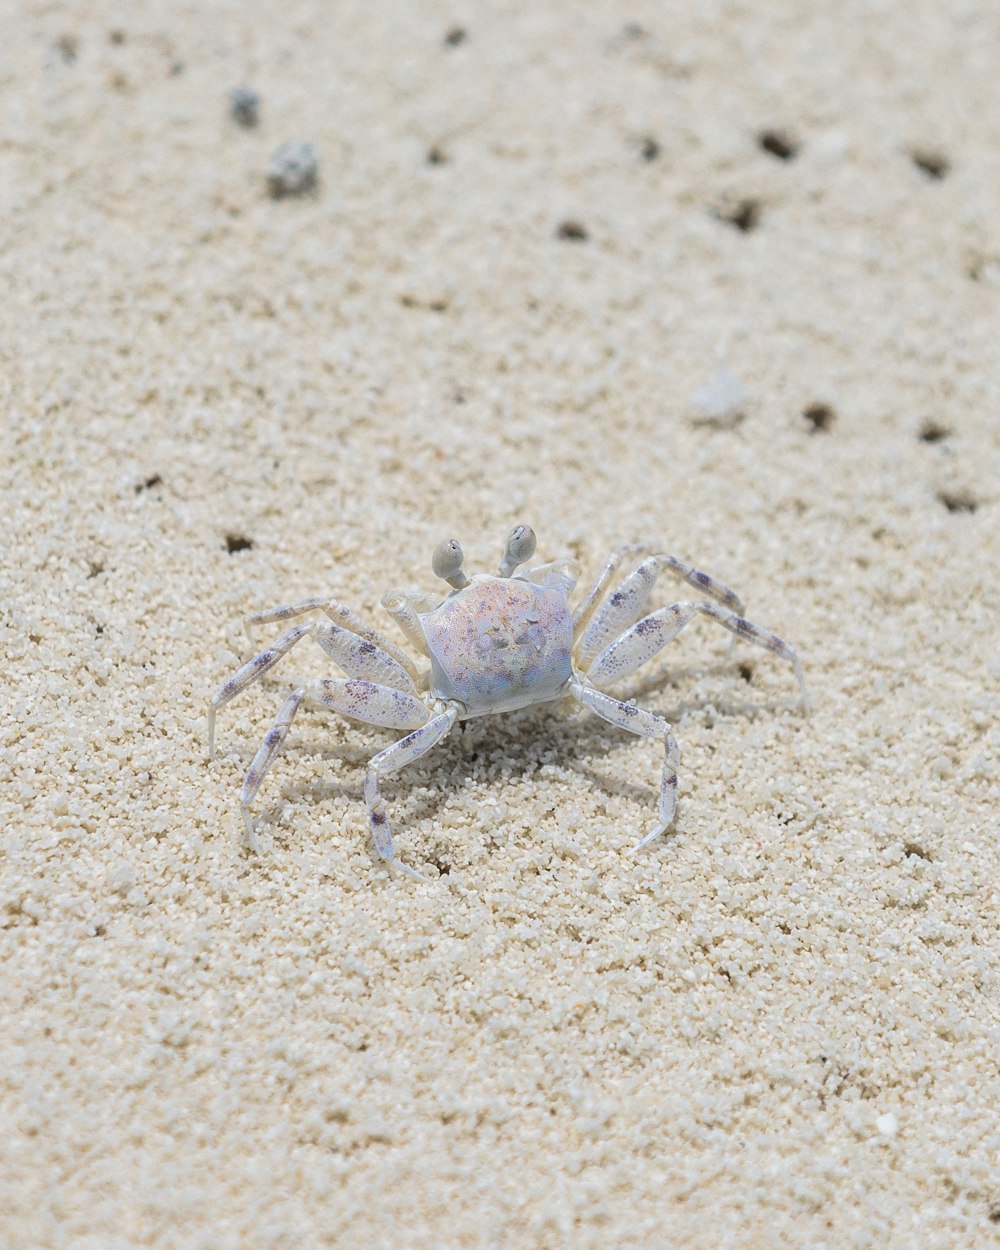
521 543
447 563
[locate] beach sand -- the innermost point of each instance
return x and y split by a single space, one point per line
723 279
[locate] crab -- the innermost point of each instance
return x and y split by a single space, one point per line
494 643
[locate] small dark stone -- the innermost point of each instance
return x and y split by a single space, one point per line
574 231
820 416
292 170
933 164
958 500
744 215
933 431
244 106
68 47
778 143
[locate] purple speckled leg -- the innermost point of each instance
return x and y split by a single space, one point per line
588 605
250 672
362 700
346 619
631 600
640 643
357 656
638 721
391 760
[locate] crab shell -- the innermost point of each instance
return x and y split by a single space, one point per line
500 643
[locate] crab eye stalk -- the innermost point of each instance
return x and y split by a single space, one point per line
447 563
521 543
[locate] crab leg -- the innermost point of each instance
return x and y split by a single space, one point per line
585 611
630 601
647 725
640 643
287 610
346 619
355 655
361 700
404 606
391 760
250 672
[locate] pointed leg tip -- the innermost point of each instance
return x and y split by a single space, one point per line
650 837
408 871
252 839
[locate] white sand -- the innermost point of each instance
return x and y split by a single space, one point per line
777 1027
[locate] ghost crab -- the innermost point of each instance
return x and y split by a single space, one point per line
495 643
